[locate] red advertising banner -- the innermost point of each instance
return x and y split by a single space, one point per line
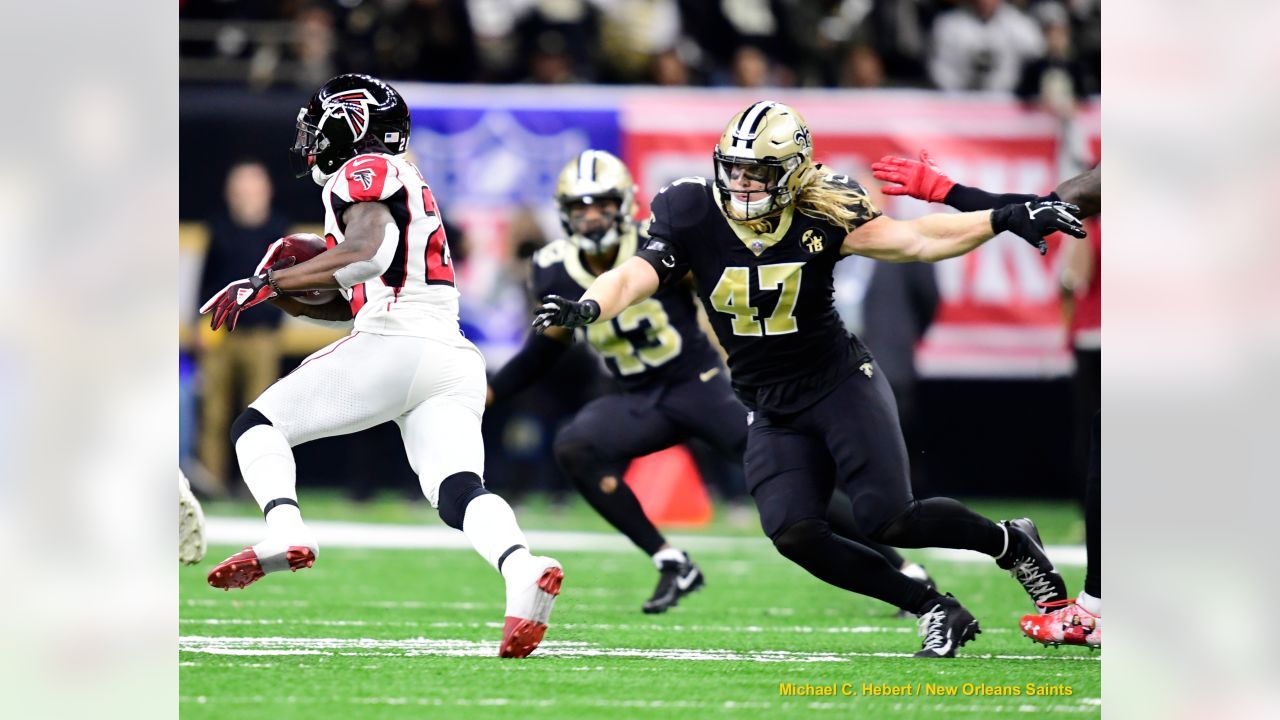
1000 314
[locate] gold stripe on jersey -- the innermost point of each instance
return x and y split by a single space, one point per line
759 242
583 276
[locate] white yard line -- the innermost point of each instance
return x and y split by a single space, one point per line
593 627
246 531
422 646
845 705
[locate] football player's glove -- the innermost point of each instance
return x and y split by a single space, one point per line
556 310
1031 221
241 295
921 178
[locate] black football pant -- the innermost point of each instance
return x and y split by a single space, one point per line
595 448
851 438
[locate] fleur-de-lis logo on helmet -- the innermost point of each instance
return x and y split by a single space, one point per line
768 143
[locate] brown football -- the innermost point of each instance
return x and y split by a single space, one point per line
302 247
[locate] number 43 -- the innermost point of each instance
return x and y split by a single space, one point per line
732 295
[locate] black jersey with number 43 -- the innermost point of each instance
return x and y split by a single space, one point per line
652 343
770 297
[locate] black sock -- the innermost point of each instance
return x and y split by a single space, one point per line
613 499
1093 514
840 517
849 565
946 523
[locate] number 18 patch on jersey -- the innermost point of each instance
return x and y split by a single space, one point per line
416 295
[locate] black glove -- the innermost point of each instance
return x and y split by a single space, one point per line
564 312
1031 221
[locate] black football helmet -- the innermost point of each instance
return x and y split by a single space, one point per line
348 115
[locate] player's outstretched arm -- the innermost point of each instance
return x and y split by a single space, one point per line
924 180
610 294
937 237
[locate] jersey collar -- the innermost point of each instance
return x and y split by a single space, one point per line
757 243
582 275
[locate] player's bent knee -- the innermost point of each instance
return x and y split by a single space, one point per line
802 538
456 492
895 530
247 420
577 459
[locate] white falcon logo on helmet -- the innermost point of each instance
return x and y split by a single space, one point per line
352 106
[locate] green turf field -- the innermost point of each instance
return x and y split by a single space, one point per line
375 633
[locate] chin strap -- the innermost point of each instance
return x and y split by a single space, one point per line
319 177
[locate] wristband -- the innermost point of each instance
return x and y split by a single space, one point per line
271 280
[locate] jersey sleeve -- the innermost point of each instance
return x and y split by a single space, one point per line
367 178
675 209
860 203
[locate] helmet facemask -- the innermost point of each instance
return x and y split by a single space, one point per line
307 146
754 188
595 232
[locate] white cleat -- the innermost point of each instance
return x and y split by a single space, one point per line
191 541
531 591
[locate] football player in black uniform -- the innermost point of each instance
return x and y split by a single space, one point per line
673 382
1071 622
761 240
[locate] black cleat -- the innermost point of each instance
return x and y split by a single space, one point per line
945 625
904 613
675 580
1027 562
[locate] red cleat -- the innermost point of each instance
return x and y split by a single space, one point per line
243 569
520 636
1069 624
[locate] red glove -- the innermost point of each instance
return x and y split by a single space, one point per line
921 178
241 295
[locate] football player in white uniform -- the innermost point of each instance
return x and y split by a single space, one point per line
406 359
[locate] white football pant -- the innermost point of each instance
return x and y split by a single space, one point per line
433 389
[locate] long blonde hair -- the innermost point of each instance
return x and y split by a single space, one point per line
819 197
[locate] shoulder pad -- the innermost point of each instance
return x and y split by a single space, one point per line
685 201
552 253
367 177
845 181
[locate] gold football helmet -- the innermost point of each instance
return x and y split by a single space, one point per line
767 143
595 176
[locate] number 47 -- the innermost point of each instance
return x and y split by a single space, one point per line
732 295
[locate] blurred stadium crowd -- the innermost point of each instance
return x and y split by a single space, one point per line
246 66
996 45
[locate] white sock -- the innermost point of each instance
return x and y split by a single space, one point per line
675 554
1090 603
266 463
915 571
491 527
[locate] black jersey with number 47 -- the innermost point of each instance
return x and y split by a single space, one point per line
770 297
650 344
